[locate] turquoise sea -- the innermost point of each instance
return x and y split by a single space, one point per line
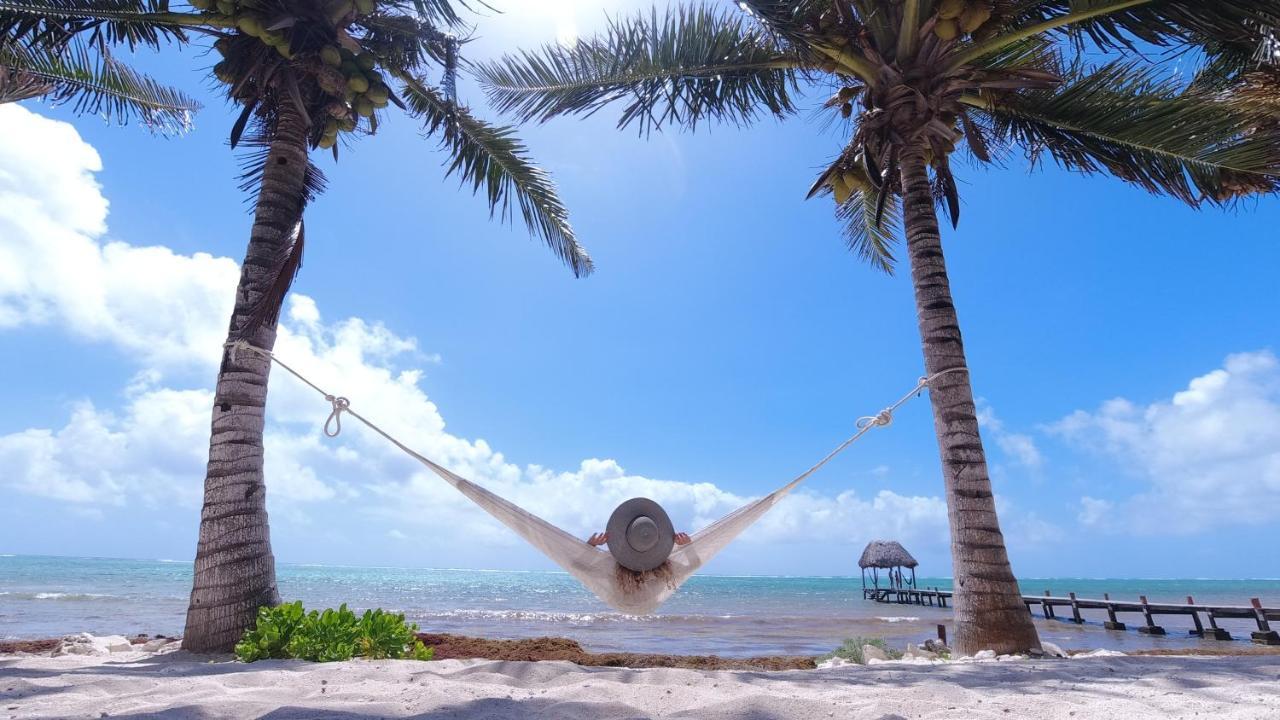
729 616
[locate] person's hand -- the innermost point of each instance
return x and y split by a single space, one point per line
598 539
683 539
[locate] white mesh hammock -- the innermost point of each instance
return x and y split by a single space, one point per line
595 568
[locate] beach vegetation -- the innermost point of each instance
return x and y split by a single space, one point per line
909 85
851 650
287 631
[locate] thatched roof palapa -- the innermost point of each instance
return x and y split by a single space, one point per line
886 554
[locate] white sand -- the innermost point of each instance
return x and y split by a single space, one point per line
178 685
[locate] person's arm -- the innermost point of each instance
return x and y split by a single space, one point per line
683 539
598 539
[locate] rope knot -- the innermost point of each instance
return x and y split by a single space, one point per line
882 419
235 346
340 405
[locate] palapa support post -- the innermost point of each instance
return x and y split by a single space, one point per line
1150 628
1112 623
1265 635
1075 610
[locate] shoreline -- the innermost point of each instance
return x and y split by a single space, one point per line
450 646
174 683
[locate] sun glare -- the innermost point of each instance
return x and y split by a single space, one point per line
563 16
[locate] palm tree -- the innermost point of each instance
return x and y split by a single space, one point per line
917 79
48 50
306 75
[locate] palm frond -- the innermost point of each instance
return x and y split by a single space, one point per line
872 242
436 12
102 86
1129 24
692 64
98 23
406 41
493 159
1140 126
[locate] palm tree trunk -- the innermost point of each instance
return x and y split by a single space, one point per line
234 569
989 613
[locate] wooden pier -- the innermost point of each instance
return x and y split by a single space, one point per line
1072 605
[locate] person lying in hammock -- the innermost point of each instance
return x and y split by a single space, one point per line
600 538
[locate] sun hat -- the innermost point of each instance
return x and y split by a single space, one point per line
640 534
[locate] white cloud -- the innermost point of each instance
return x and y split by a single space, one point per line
55 271
1019 447
168 311
1094 511
1208 456
146 453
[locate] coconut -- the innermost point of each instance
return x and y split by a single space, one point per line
950 9
378 94
330 56
364 7
358 83
364 107
856 181
222 71
347 124
327 141
840 189
947 29
331 81
974 17
226 7
349 68
250 25
366 61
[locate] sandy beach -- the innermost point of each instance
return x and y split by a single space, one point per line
180 685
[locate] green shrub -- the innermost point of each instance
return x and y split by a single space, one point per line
287 631
271 636
851 650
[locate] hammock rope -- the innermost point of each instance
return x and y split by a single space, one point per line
595 568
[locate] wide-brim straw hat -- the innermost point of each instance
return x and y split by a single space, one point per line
640 534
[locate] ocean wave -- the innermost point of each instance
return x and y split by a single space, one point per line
564 618
568 618
7 555
898 619
55 596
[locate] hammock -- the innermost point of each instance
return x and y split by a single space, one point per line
594 568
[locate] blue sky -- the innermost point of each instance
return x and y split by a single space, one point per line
1124 348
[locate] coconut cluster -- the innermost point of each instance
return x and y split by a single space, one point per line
357 89
961 17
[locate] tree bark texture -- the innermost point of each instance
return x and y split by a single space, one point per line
989 613
234 568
